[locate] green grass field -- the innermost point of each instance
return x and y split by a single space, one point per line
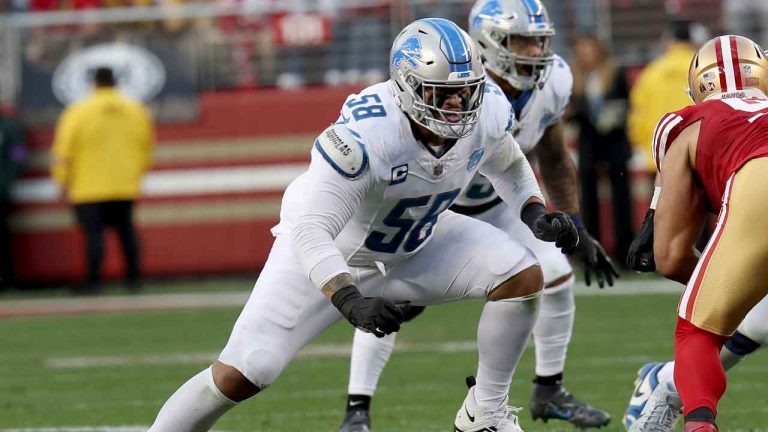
116 369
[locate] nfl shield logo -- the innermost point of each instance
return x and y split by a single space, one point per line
438 169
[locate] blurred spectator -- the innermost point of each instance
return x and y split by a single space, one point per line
598 107
13 155
16 6
102 148
747 18
660 88
358 52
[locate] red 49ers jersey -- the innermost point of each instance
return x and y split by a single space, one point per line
732 132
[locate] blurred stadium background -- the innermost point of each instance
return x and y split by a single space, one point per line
239 89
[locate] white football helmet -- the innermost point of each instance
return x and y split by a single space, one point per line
499 25
432 60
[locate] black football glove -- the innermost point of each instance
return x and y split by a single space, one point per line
640 253
551 227
591 253
410 311
375 315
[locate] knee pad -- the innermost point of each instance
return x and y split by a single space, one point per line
263 366
566 285
755 324
742 345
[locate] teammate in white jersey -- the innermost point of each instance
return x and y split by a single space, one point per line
367 226
514 38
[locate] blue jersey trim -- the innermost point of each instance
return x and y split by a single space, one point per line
338 169
519 103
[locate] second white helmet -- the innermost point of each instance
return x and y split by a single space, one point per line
498 25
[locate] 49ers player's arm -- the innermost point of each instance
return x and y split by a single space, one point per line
511 175
557 170
680 211
324 202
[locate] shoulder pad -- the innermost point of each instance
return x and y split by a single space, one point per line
498 115
561 78
664 133
343 150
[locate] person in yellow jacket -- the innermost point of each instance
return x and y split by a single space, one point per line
660 88
102 147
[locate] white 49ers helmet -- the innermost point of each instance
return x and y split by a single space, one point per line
727 66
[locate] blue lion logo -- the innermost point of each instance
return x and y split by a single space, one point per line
475 158
409 51
489 9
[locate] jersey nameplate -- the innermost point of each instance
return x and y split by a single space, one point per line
343 151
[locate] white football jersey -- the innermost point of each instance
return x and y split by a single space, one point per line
383 207
542 108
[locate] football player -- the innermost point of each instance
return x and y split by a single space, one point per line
514 38
367 226
711 157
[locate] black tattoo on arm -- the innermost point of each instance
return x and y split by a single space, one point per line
557 170
336 283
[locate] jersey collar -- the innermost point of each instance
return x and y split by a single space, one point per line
520 102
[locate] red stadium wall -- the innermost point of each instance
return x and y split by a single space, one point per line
213 193
196 232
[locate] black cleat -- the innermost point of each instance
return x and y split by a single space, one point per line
356 421
560 404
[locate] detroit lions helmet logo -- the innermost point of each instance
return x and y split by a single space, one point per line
492 8
409 51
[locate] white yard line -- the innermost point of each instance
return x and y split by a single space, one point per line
104 428
144 302
149 302
82 429
312 351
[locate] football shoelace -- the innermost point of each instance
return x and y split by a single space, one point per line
667 417
507 415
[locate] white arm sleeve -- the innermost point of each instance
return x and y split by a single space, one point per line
511 175
328 202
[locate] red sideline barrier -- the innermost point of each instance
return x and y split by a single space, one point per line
205 243
203 246
248 114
